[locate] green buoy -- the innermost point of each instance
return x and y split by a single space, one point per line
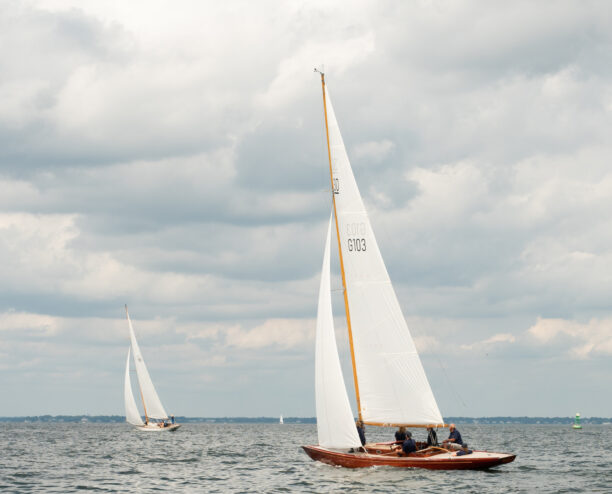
577 422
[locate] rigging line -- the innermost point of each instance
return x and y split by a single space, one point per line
450 384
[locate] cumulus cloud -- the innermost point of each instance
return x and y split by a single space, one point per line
501 338
586 340
283 333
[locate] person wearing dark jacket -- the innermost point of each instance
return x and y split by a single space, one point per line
432 437
400 434
409 446
454 440
361 431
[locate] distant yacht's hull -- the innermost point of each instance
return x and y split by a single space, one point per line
378 455
157 428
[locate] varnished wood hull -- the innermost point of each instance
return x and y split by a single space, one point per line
478 460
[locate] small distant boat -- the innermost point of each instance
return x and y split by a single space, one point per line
156 418
577 422
280 421
390 383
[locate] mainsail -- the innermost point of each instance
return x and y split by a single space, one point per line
132 416
335 423
152 404
391 385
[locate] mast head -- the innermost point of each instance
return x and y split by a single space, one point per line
320 71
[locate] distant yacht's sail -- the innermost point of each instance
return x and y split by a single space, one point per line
153 407
392 385
335 422
132 416
281 421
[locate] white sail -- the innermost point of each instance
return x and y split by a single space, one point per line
335 423
132 416
393 387
152 404
281 421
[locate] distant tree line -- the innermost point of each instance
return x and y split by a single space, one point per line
298 420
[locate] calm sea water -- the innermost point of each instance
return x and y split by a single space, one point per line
234 458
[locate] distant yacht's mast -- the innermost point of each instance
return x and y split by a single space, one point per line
346 303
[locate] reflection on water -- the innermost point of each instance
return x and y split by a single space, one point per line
232 458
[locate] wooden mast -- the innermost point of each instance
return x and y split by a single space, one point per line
346 304
139 388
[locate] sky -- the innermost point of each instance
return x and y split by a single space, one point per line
171 156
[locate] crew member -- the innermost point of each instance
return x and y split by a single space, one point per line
400 434
361 431
454 440
432 437
409 446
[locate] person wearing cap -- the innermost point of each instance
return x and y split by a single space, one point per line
409 446
172 419
454 440
464 450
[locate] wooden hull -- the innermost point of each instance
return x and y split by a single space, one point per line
156 428
437 460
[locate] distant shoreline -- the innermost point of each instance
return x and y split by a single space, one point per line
295 420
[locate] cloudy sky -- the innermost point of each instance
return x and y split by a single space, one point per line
171 156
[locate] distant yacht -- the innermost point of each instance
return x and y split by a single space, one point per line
156 418
281 420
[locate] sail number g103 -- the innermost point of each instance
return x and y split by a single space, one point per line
356 244
356 232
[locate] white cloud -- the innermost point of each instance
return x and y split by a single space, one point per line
586 340
19 321
497 339
282 333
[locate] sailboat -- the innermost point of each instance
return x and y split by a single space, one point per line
281 421
391 387
156 418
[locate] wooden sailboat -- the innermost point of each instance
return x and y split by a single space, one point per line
390 383
156 418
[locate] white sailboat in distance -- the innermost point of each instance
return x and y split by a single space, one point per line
156 418
281 421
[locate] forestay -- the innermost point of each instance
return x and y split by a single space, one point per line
153 407
335 422
132 416
393 387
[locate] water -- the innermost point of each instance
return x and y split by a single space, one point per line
236 458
